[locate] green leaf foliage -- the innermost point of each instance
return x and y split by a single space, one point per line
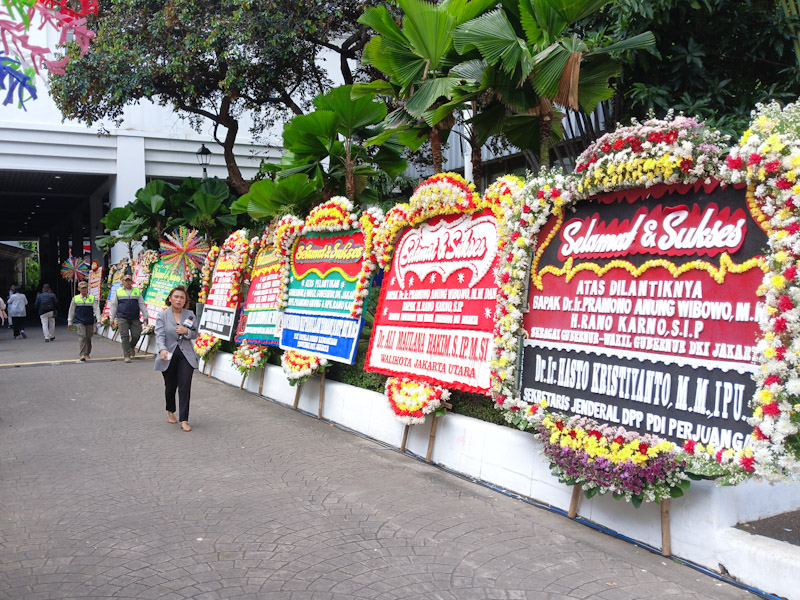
711 58
210 60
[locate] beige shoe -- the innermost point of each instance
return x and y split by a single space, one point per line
185 426
171 417
126 359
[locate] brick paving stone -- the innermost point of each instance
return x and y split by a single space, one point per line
102 498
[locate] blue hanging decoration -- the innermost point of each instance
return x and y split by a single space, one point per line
15 80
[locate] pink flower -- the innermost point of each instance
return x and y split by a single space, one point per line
688 446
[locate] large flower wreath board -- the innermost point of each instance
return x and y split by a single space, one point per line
327 269
670 179
436 313
221 290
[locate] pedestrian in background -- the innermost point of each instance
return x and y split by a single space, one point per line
176 327
84 311
124 309
11 291
3 315
17 311
47 303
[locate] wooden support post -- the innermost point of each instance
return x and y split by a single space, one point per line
114 337
573 503
448 406
432 438
297 395
241 385
405 438
321 394
666 543
211 364
261 382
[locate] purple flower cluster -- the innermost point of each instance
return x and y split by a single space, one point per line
652 480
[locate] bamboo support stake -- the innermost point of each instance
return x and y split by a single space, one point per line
321 394
405 438
261 382
448 406
241 385
114 337
666 543
211 364
573 503
297 395
432 438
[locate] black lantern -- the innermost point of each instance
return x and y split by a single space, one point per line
203 158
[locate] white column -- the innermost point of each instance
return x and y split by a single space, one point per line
130 178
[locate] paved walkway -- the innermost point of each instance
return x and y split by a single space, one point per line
101 498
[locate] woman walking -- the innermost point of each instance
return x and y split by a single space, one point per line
17 311
176 327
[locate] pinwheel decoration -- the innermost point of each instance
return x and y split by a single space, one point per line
184 250
74 270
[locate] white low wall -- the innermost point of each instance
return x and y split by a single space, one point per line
702 522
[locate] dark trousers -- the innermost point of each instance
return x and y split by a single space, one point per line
19 325
178 377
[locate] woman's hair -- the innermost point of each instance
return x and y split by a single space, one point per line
177 288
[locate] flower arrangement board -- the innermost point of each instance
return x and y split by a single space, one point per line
435 315
222 302
95 279
326 267
141 274
644 312
260 316
163 278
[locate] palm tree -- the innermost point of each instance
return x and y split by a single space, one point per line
417 56
532 65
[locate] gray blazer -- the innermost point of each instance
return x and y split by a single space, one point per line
166 338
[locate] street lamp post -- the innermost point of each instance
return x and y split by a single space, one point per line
203 158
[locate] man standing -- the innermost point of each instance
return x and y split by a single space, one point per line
84 311
124 309
47 303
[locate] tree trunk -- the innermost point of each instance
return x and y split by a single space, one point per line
232 125
477 159
349 177
545 130
436 149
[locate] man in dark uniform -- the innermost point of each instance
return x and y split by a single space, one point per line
124 308
84 312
